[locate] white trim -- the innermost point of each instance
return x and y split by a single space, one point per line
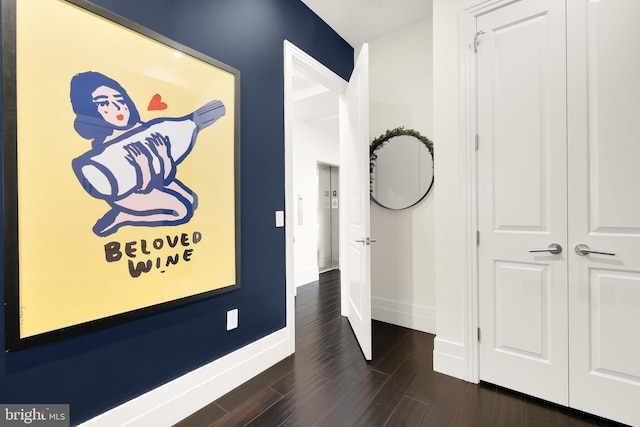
468 114
406 315
177 399
288 190
466 27
450 358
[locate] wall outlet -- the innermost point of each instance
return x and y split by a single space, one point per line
232 319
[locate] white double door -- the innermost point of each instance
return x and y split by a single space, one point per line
559 167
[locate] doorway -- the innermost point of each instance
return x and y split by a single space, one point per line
315 142
298 69
352 119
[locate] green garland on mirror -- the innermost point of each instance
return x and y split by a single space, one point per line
379 142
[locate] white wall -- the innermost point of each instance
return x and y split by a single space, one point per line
403 257
310 146
450 350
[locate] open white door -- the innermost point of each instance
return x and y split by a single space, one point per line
354 158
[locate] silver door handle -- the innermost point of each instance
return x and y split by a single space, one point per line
583 250
553 248
366 241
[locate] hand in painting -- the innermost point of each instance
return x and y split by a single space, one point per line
138 156
162 147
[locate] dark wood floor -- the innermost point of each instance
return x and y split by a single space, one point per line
327 382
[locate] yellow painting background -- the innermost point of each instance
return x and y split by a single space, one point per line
65 279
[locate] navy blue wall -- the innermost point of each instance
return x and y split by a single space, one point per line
97 371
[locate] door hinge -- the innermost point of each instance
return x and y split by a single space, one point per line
477 141
478 334
476 41
478 237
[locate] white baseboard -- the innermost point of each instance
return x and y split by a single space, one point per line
303 277
177 399
402 314
450 358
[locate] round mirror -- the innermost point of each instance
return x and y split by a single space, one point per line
401 168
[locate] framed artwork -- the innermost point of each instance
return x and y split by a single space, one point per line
121 170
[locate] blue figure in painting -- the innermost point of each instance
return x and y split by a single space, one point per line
132 164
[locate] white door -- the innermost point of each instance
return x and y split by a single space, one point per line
604 207
354 165
522 187
564 327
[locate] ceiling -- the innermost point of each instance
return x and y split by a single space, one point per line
362 21
314 103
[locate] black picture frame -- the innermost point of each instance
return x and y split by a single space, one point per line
14 340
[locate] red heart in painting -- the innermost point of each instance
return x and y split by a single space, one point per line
156 103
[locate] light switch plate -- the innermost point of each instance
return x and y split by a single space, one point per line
279 218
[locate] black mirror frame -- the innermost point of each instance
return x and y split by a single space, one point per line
380 141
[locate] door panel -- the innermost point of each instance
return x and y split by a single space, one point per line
519 136
354 157
604 202
328 218
612 64
324 218
522 303
612 294
522 188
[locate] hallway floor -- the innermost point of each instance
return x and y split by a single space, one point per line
327 382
